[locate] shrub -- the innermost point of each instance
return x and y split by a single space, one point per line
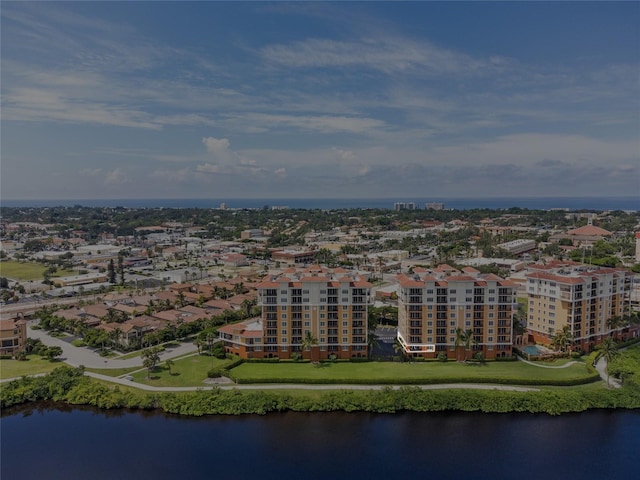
215 373
442 357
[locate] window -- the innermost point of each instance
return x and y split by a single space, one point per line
284 332
284 324
306 324
284 315
345 332
322 324
283 292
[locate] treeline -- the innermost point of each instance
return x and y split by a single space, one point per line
68 385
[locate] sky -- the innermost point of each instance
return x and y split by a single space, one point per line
318 100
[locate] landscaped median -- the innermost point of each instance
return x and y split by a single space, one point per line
419 373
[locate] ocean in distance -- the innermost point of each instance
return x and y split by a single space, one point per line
62 442
532 203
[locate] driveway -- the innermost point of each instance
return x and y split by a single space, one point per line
77 356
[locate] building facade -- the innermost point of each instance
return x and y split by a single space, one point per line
13 336
331 305
582 297
434 304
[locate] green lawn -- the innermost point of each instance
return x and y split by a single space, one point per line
187 372
387 372
113 372
34 364
28 271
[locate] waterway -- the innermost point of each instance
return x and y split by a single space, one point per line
59 442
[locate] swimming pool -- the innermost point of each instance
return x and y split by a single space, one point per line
532 350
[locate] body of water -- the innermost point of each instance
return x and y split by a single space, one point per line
532 203
57 442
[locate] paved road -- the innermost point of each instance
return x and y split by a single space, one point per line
76 356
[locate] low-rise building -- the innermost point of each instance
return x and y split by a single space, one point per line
13 336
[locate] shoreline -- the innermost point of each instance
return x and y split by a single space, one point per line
71 387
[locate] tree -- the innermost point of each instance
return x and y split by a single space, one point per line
111 272
469 341
52 352
151 358
121 266
563 338
398 348
459 341
608 350
309 341
169 363
372 342
465 338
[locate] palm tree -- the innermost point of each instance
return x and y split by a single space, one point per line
469 341
608 350
169 363
460 337
398 348
372 342
563 338
309 341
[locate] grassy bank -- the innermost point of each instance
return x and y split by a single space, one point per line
69 385
33 365
380 373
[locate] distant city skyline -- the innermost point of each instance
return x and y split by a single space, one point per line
348 100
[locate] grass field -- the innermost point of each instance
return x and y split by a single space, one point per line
385 372
33 365
28 271
187 372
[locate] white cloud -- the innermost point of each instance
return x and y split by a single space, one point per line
216 146
116 177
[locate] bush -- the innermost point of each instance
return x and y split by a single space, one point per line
78 343
215 373
442 357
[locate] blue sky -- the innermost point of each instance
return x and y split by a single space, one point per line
347 100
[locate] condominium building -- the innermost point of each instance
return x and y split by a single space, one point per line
434 304
330 304
580 296
13 336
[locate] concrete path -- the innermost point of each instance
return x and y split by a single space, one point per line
601 367
568 364
76 356
279 386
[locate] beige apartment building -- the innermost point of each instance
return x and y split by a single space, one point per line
13 336
434 304
331 304
580 296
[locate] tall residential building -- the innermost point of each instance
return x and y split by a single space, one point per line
404 206
434 206
433 304
330 304
580 296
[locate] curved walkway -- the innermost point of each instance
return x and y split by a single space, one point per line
280 386
568 364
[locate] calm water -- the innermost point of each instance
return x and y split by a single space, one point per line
64 443
542 203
